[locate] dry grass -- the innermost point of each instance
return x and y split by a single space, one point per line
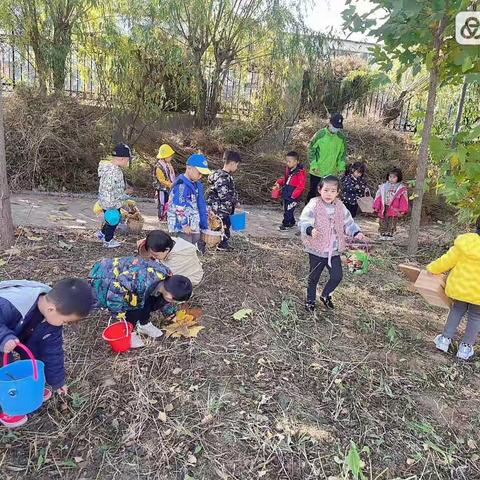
279 395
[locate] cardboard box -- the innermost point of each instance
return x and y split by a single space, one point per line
432 289
412 272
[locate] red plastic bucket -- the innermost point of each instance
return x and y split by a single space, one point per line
119 336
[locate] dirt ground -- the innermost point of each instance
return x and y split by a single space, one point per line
360 392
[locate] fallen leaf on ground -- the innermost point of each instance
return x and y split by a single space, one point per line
184 325
243 313
78 459
35 239
65 245
13 251
2 262
168 407
177 371
162 416
192 459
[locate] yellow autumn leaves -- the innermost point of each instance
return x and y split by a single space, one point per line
184 325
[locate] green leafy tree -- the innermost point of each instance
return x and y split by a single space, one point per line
419 33
47 27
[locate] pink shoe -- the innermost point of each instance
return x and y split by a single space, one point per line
47 394
13 421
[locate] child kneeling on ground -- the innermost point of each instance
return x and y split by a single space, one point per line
137 287
324 224
33 314
177 254
463 286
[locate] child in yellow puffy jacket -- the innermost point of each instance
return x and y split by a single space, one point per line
463 287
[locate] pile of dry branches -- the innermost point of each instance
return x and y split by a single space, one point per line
53 143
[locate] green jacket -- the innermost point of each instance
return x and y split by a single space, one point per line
327 153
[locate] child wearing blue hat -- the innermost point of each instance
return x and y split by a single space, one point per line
112 192
187 209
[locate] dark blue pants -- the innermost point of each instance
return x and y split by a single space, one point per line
289 213
108 230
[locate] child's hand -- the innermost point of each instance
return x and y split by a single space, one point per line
187 230
315 233
62 390
360 236
10 345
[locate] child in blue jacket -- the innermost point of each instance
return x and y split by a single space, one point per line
33 314
187 210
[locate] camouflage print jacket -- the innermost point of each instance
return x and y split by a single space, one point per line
222 194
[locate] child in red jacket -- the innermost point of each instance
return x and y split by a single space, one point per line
292 185
391 202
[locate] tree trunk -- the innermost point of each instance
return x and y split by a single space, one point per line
458 120
61 48
423 152
6 223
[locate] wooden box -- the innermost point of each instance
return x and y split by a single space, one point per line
432 289
412 272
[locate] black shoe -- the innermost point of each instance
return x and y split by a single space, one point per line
282 228
328 303
310 307
224 248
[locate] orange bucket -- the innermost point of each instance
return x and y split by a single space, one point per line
119 336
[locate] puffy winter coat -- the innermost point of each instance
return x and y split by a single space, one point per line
111 190
187 206
463 263
293 183
398 205
20 319
123 284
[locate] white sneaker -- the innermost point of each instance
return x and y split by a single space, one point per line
137 342
149 329
442 343
465 351
383 238
390 238
111 244
100 236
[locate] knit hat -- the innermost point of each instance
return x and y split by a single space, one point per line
336 119
165 151
122 150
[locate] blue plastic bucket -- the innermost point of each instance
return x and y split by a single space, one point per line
22 384
239 221
112 217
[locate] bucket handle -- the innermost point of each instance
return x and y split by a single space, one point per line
30 354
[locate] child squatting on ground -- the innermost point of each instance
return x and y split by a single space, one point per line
187 208
33 314
112 189
391 203
292 185
164 176
463 287
353 186
222 195
134 288
324 224
177 254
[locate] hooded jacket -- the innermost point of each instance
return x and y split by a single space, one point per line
398 205
463 262
21 319
187 206
222 194
327 153
111 190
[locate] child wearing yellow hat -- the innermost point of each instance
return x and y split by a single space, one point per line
164 176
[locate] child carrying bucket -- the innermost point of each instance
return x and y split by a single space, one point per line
34 314
222 197
137 287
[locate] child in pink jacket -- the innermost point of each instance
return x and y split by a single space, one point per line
391 202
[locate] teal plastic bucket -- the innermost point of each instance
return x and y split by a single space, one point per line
113 217
22 384
239 221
